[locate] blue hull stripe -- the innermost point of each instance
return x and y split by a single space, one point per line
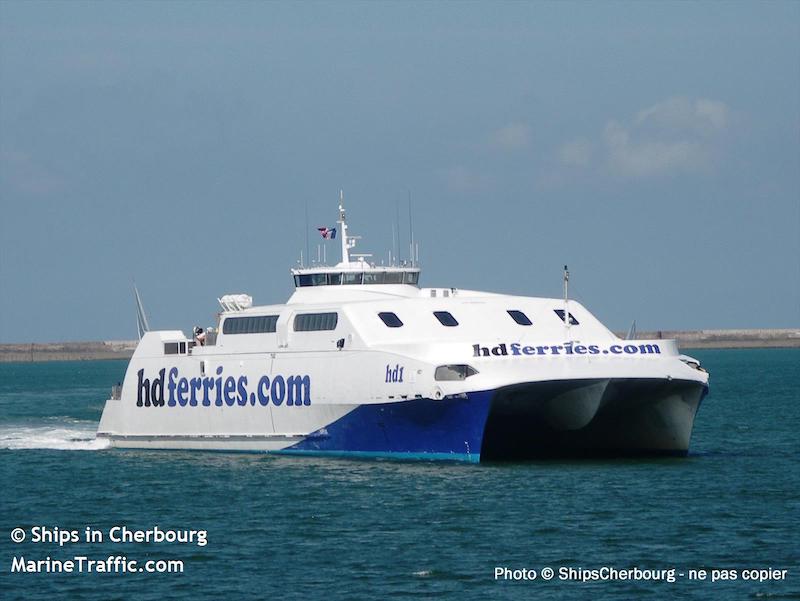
450 429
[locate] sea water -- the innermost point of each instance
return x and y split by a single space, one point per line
297 528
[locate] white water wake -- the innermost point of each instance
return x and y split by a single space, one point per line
65 437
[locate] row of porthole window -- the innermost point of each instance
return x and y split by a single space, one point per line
446 318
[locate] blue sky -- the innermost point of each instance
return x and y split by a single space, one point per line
653 147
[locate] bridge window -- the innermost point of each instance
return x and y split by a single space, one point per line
315 322
378 277
303 280
309 279
520 317
445 318
572 320
390 319
256 324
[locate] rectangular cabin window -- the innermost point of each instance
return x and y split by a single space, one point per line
520 317
572 320
446 319
352 278
390 319
394 277
170 348
412 277
257 324
315 322
334 279
310 279
375 278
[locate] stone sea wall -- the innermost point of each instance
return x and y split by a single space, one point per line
123 349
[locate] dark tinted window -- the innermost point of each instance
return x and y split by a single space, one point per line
257 324
390 319
375 278
314 322
352 278
412 277
520 317
170 348
394 277
445 318
572 320
310 279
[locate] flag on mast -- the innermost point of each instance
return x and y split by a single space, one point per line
329 233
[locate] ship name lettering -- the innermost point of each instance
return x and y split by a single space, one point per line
168 389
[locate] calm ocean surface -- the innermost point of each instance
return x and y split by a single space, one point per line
295 528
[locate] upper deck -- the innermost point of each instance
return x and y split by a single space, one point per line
353 273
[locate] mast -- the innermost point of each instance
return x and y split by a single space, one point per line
566 300
142 325
411 253
343 229
308 252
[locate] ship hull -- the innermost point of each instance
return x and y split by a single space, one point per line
598 417
592 418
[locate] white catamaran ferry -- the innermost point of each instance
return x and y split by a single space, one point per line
361 361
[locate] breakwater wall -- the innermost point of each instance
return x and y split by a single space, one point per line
67 351
699 339
123 349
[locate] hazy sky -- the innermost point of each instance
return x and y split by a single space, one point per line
653 147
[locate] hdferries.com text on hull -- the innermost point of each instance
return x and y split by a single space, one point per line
361 362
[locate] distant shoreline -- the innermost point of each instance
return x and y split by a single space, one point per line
123 349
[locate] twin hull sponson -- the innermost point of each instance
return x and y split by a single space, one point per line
393 370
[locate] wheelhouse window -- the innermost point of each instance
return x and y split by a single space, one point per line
572 320
315 322
256 324
303 280
378 277
310 279
390 319
445 318
520 317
